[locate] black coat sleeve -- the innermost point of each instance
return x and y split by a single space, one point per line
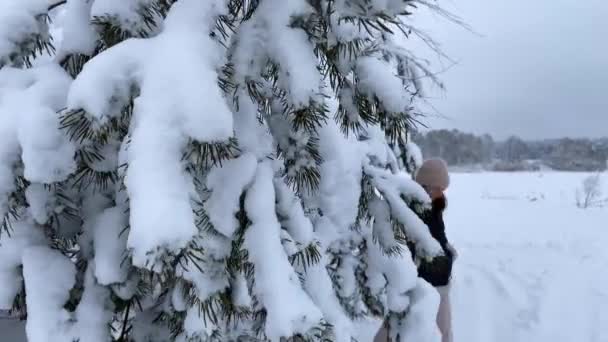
437 228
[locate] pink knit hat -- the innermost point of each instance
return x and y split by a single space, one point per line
434 173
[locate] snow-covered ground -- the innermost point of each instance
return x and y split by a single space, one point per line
532 268
532 265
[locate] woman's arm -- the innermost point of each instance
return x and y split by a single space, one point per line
437 227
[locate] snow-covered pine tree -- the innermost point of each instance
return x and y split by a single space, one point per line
214 170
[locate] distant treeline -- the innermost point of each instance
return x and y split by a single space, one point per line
465 149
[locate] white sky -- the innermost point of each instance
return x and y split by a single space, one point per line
538 68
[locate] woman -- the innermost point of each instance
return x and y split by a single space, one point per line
434 178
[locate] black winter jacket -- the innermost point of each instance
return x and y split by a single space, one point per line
439 270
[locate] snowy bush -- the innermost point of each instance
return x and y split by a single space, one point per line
215 170
590 193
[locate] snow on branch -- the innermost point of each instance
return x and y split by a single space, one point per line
126 14
275 280
174 103
110 246
373 7
94 310
392 187
420 322
227 203
29 99
23 30
227 183
24 235
269 33
376 79
48 278
78 34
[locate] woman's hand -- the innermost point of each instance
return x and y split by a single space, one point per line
452 251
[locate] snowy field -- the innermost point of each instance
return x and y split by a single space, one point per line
532 268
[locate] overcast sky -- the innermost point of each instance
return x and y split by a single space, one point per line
537 69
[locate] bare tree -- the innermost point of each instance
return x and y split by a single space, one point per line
590 193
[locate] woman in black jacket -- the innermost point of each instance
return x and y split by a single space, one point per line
433 176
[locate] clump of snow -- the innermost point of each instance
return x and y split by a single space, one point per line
289 206
126 9
110 242
227 183
127 290
195 326
91 207
376 148
208 277
346 275
344 31
341 172
268 34
382 225
8 157
125 13
20 24
178 297
400 274
77 32
161 215
105 83
420 322
47 154
12 247
377 79
48 277
413 155
319 285
275 280
29 100
240 292
39 199
195 58
253 137
94 310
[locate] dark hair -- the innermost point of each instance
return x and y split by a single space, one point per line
439 204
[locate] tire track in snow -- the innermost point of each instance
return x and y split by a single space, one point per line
504 307
526 293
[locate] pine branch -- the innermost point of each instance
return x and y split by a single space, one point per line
16 201
307 256
56 4
73 63
204 155
123 334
